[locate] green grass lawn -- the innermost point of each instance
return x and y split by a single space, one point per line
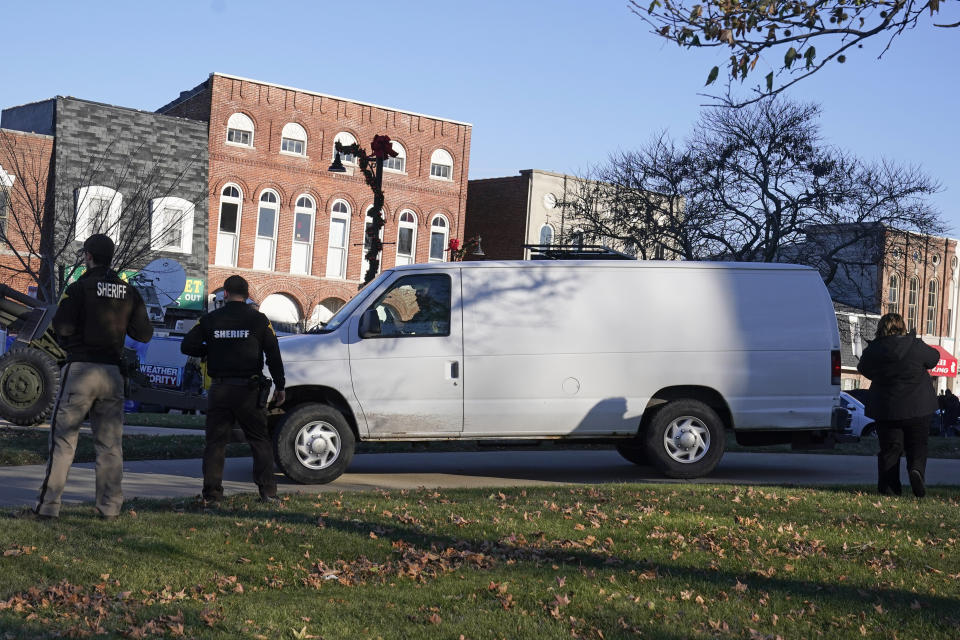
21 446
616 561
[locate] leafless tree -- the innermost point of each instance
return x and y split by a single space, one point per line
757 184
42 225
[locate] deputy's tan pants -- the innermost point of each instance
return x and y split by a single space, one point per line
97 389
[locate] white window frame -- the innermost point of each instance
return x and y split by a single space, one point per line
401 158
401 224
933 310
553 234
243 123
913 302
159 229
893 293
312 211
237 200
441 158
345 138
345 249
446 238
294 132
275 206
84 196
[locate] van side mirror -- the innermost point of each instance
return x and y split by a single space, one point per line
369 324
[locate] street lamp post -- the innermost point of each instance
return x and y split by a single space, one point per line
372 168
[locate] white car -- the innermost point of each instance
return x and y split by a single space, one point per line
860 425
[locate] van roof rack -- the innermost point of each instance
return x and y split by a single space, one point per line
575 252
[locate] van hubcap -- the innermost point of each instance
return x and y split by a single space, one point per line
686 439
317 445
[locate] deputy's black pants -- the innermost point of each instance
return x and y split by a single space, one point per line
228 404
896 438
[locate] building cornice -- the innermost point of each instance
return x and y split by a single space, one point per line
332 97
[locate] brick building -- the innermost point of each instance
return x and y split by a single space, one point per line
539 208
138 176
292 228
510 212
890 271
26 163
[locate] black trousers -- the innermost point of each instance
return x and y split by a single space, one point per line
229 404
896 438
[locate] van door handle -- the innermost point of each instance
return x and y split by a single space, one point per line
454 370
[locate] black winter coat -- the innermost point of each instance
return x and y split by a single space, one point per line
898 368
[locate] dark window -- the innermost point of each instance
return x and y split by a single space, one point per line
3 213
405 241
228 217
292 146
301 232
238 136
265 225
417 305
437 245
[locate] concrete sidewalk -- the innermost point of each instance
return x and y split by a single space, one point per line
183 478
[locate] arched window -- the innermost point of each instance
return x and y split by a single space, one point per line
407 238
345 139
231 201
364 263
293 139
98 211
912 299
439 232
339 235
398 164
264 248
301 254
933 298
441 165
240 130
546 235
893 298
171 225
283 312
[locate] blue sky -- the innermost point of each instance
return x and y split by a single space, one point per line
550 85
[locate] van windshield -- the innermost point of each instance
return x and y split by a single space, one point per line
347 310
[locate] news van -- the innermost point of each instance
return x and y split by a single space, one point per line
659 358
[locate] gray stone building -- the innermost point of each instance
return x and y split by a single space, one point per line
139 177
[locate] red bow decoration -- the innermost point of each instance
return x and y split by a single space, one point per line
382 147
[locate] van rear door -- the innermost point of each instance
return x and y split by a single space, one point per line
407 377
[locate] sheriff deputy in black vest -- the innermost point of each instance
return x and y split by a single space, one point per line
96 313
234 339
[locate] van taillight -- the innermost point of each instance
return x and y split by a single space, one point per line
835 367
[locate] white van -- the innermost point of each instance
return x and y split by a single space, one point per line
658 357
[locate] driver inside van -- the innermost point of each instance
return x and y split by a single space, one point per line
433 308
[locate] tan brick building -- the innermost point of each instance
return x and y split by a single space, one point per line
293 229
888 271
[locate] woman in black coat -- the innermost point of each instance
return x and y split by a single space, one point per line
901 401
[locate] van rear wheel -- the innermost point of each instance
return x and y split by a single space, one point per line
314 444
685 439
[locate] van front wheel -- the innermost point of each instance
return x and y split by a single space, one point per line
685 439
314 444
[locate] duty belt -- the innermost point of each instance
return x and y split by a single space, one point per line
235 381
